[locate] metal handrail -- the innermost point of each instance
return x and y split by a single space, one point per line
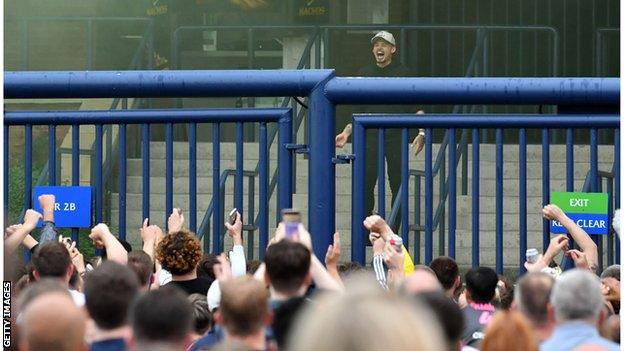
599 42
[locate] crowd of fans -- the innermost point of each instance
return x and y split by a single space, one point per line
172 296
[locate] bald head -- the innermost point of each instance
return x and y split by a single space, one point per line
422 280
53 322
532 296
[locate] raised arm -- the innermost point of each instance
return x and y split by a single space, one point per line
15 234
584 241
102 237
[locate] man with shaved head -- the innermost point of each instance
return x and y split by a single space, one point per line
53 322
532 299
422 280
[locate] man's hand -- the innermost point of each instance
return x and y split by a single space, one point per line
333 252
393 258
552 212
150 233
76 256
31 218
418 144
46 202
175 221
557 244
377 224
378 243
236 230
99 235
537 266
579 258
12 229
341 139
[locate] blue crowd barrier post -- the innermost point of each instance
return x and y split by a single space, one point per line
428 196
475 197
522 199
168 172
238 183
545 186
499 201
358 172
285 162
381 173
405 187
263 216
322 182
122 181
216 198
452 191
193 177
75 160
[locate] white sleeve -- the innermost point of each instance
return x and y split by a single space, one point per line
238 262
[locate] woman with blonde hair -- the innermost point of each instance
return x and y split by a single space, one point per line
365 318
509 331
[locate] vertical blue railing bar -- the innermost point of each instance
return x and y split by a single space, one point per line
475 197
193 177
522 201
616 177
452 191
284 157
358 172
570 160
416 252
99 191
238 186
405 188
122 181
28 166
216 198
595 185
381 173
545 186
51 155
146 170
428 196
499 200
263 216
5 172
168 171
75 160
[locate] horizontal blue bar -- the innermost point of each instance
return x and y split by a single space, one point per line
460 90
145 116
213 83
487 121
591 223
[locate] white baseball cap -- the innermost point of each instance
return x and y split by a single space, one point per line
387 36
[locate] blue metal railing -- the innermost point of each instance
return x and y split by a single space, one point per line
475 122
147 117
324 92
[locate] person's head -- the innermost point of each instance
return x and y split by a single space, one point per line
421 280
179 252
288 267
52 260
577 296
109 290
202 318
161 316
252 266
205 266
141 264
347 269
481 284
505 292
284 318
612 271
384 46
532 297
447 272
448 314
365 318
509 330
52 322
38 288
244 307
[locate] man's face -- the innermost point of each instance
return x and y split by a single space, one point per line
382 50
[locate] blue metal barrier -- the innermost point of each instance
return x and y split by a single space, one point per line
147 117
325 92
361 122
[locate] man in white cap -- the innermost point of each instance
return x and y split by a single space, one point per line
384 48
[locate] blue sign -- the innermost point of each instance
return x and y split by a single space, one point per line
72 208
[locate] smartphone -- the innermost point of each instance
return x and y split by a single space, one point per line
291 219
232 216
